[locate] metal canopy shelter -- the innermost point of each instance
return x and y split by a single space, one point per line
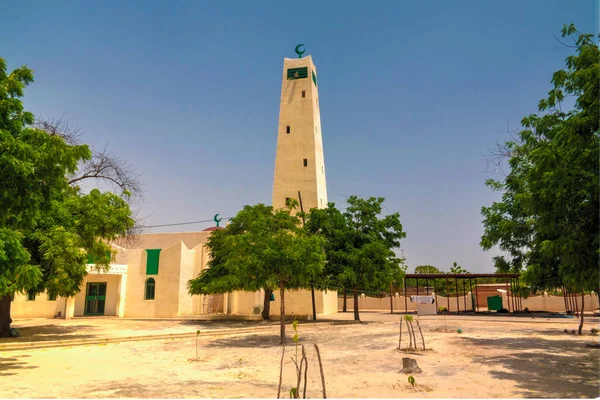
510 280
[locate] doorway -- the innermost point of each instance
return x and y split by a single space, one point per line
95 298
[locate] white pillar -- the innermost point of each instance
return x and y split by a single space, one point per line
121 296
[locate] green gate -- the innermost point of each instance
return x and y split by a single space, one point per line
95 298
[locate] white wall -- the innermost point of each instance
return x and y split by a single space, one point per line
41 307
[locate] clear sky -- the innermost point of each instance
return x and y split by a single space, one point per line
412 95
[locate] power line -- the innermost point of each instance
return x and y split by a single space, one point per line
181 223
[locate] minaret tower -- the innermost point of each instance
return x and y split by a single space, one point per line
299 163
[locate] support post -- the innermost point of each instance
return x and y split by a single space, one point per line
417 286
507 298
476 297
435 292
448 295
457 302
512 298
405 301
464 294
391 300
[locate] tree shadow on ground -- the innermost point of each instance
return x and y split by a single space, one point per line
542 367
9 365
250 341
182 389
50 333
210 325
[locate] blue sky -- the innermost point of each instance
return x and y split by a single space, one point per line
412 95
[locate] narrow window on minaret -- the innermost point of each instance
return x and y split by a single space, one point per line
306 162
303 93
287 129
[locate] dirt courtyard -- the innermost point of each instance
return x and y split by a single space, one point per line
492 357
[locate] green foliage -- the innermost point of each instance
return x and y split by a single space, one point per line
547 221
261 248
412 381
47 226
457 269
427 269
408 318
359 245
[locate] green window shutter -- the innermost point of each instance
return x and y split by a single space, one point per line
152 259
314 77
297 73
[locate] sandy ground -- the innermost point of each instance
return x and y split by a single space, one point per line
493 357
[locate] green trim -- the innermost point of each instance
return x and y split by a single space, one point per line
297 73
152 261
314 77
95 291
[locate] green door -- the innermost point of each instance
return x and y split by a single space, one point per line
95 298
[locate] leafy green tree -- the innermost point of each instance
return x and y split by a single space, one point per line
427 269
48 226
359 246
547 222
218 278
262 248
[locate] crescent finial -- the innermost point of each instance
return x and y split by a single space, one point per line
298 50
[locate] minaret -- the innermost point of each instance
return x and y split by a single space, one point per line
299 163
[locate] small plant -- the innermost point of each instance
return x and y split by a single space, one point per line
411 380
300 367
411 333
14 332
197 335
295 391
443 309
459 330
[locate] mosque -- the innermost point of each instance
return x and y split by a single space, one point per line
148 278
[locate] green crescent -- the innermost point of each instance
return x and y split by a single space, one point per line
217 219
298 51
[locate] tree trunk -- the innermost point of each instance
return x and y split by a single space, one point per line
410 366
400 336
282 312
356 315
314 306
581 319
345 293
5 319
267 305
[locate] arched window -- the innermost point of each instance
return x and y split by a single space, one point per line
149 292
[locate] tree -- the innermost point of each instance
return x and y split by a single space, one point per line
266 246
547 221
427 269
48 227
457 269
359 245
217 278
